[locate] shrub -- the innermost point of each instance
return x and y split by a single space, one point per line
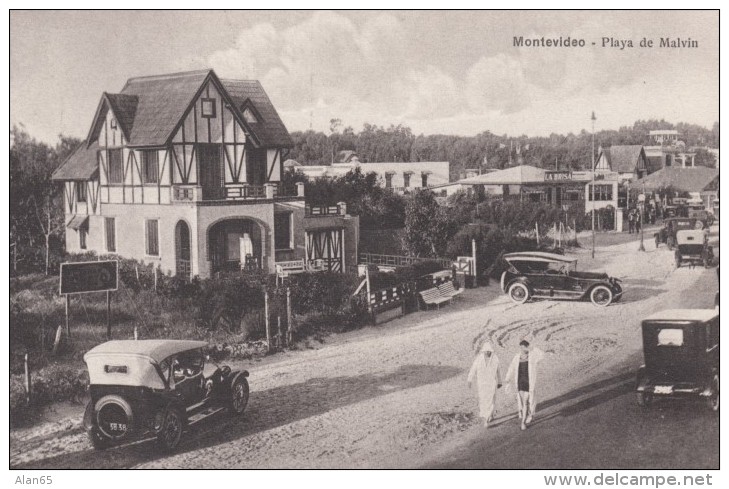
48 385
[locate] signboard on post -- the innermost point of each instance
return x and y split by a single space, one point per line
90 276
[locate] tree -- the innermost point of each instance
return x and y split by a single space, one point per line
36 206
427 227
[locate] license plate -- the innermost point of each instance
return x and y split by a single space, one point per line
663 389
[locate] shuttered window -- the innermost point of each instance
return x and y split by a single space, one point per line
152 237
114 161
110 228
149 166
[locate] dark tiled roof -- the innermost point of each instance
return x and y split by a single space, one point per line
162 100
81 165
270 130
623 159
124 108
685 179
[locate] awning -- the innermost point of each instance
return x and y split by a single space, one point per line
77 222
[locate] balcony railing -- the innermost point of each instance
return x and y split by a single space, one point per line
243 192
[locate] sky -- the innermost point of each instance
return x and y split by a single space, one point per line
436 72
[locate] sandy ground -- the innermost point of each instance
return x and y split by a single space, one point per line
390 396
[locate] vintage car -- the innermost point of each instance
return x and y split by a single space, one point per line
701 214
667 234
692 246
540 275
681 353
154 388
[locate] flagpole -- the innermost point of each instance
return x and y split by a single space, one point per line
592 157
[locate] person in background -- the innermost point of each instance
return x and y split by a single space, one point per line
638 220
486 376
522 374
631 221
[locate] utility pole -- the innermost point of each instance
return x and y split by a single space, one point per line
592 157
641 216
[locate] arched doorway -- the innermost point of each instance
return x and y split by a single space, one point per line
182 250
230 240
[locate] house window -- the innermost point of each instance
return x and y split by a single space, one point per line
114 162
388 180
249 116
602 193
152 233
282 231
83 231
149 166
424 178
81 192
110 228
406 180
208 108
112 123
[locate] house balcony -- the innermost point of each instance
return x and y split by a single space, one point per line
241 192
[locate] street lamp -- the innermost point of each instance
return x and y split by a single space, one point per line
593 118
642 217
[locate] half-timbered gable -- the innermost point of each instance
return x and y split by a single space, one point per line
183 171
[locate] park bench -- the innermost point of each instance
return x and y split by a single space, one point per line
447 290
433 297
287 268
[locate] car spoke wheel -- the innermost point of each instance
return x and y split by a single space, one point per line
601 296
644 399
713 400
678 260
519 293
171 432
239 392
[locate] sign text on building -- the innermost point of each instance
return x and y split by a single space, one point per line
552 175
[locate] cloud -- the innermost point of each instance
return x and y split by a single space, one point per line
497 84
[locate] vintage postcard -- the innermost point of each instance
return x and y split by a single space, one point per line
365 240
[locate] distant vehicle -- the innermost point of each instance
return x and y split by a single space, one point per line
681 352
692 246
667 234
155 387
700 213
540 275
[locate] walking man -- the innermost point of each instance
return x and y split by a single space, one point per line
486 376
631 221
523 375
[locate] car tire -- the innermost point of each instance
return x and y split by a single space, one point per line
658 241
713 399
677 257
601 295
644 399
112 402
706 261
239 395
669 243
518 293
170 434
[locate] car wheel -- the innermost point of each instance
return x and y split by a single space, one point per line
677 257
713 400
658 241
601 296
707 261
519 293
644 399
669 242
239 393
171 432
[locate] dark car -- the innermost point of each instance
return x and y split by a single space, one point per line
692 246
539 275
156 387
681 352
667 234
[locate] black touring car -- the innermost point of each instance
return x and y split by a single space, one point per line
155 387
540 275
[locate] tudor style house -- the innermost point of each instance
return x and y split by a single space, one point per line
628 161
185 171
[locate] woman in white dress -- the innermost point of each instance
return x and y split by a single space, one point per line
485 375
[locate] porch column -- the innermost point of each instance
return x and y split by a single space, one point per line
270 190
300 189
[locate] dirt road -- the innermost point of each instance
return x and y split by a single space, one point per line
396 395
